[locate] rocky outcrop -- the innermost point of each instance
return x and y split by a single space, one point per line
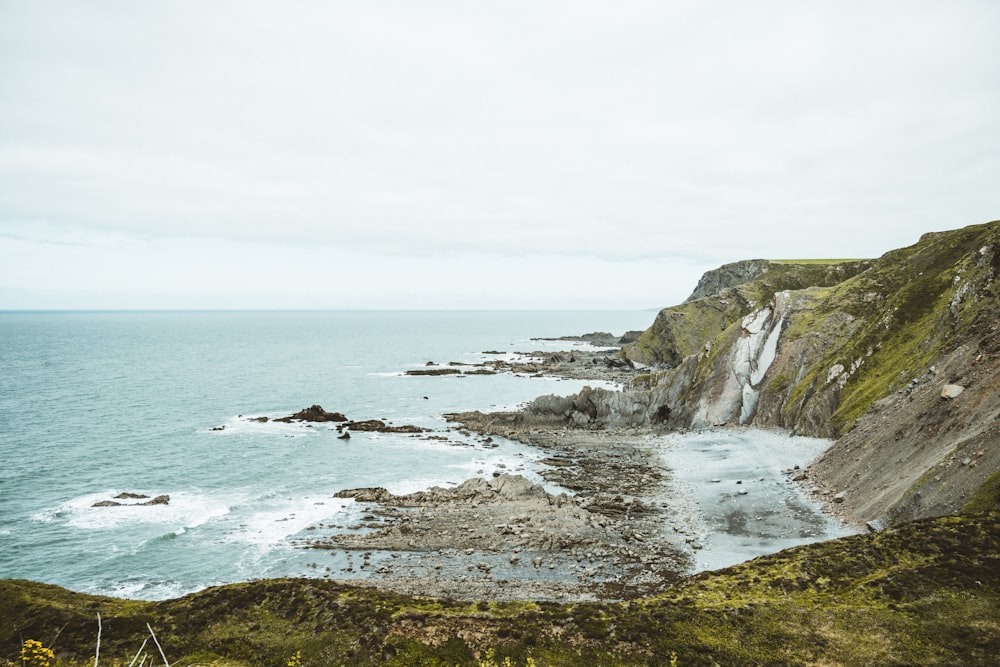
316 413
728 275
379 426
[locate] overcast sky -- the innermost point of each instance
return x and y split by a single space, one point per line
196 154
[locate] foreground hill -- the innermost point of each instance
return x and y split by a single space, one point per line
926 592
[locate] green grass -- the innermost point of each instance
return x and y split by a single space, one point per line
817 261
922 593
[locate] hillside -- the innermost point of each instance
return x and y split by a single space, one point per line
925 593
859 351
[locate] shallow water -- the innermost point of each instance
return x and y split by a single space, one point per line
733 488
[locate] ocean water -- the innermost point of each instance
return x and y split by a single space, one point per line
96 404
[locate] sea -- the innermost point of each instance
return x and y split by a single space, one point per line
98 404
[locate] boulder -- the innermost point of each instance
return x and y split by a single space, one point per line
952 391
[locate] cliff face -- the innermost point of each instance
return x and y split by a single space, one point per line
858 351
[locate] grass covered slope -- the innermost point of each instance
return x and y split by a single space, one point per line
683 330
925 593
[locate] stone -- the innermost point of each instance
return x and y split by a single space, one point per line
839 498
950 391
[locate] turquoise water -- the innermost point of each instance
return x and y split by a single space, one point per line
95 404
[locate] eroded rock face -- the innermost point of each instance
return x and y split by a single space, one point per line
728 275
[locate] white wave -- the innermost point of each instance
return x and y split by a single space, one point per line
144 590
242 424
184 511
276 524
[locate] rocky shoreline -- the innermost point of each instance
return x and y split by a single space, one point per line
506 538
613 536
617 530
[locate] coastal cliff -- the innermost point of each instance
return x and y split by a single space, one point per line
896 358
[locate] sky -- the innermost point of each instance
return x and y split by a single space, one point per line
454 154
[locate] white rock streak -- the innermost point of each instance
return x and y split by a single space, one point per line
749 358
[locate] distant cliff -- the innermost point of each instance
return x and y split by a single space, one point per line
898 358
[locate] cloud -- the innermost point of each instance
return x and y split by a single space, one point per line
457 131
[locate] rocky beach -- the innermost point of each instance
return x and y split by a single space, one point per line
618 529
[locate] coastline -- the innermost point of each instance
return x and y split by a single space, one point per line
621 532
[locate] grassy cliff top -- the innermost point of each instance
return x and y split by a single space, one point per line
817 261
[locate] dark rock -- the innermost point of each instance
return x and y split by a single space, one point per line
379 426
158 500
629 337
344 436
434 371
314 414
